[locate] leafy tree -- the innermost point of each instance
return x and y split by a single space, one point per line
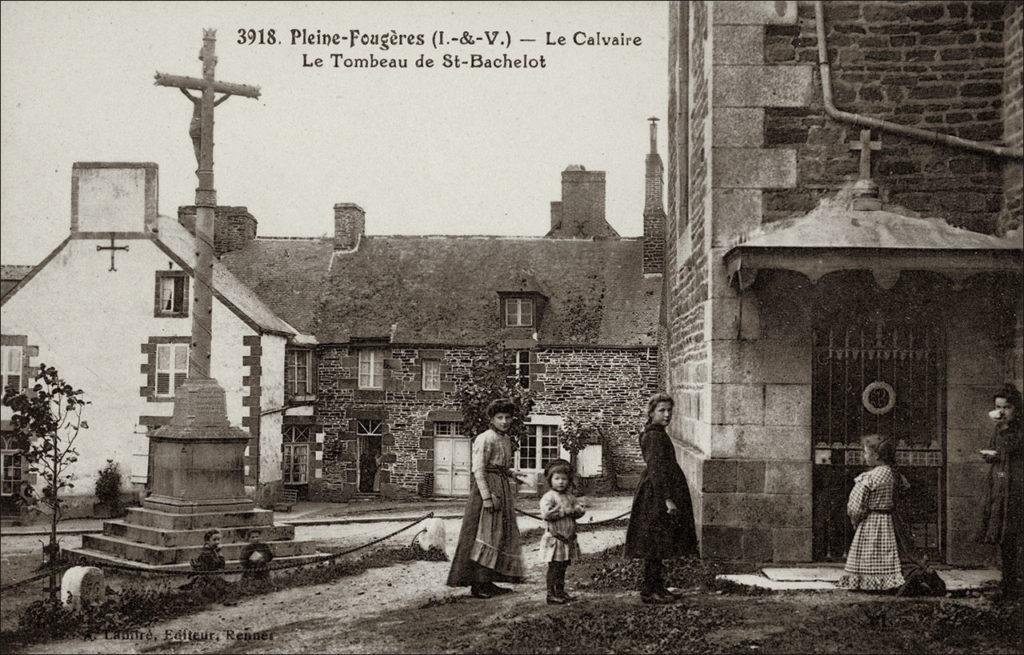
49 416
489 380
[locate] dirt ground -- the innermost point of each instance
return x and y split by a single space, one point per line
406 608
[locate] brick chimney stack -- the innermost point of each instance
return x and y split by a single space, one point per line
654 208
580 214
349 225
235 226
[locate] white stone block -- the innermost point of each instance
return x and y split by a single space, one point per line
763 86
753 12
739 44
754 168
736 212
432 536
82 584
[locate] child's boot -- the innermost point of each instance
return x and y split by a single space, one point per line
552 582
560 584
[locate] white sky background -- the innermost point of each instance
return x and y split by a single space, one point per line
438 151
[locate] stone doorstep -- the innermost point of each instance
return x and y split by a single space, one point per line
158 555
170 538
823 578
99 558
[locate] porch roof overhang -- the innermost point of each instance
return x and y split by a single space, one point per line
848 233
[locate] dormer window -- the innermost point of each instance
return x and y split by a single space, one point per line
518 312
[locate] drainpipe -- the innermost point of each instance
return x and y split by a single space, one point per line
887 126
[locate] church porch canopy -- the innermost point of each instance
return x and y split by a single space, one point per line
849 232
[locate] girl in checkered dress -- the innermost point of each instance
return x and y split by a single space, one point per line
558 546
873 563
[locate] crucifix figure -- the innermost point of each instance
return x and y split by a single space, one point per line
112 248
201 132
865 145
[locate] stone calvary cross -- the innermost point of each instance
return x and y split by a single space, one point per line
201 131
199 462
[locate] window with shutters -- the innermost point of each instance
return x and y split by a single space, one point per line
371 369
171 368
171 293
12 367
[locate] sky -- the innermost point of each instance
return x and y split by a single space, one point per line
421 150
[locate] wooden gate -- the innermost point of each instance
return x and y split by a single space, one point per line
878 374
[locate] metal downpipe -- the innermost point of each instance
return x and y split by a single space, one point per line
887 126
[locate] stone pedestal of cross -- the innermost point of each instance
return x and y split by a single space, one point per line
199 458
865 189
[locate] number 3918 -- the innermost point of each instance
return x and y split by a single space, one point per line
256 37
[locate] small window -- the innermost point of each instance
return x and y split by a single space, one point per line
519 368
10 472
371 369
447 428
369 427
171 367
298 372
431 375
171 293
518 312
12 373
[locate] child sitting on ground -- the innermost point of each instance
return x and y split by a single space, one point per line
255 558
209 559
559 546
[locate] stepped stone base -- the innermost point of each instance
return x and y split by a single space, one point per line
164 540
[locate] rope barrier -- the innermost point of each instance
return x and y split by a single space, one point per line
279 567
579 525
45 574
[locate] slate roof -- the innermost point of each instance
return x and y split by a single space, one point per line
444 289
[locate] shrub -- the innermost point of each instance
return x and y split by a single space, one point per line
108 486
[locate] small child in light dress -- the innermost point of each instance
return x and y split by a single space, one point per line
873 563
559 547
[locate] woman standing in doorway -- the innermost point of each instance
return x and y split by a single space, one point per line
661 523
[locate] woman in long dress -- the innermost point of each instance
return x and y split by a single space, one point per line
489 547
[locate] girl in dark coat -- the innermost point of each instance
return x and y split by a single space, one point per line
1003 511
661 523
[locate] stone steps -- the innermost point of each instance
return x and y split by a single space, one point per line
174 538
162 555
156 519
99 558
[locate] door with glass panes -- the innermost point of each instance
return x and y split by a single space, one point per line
538 448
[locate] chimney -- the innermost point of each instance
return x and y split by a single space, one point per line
349 225
114 196
654 208
581 211
556 214
234 226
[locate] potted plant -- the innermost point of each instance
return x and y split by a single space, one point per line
108 492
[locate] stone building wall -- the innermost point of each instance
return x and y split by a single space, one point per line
933 65
608 386
1013 114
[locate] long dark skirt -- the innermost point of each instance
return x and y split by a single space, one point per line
489 547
